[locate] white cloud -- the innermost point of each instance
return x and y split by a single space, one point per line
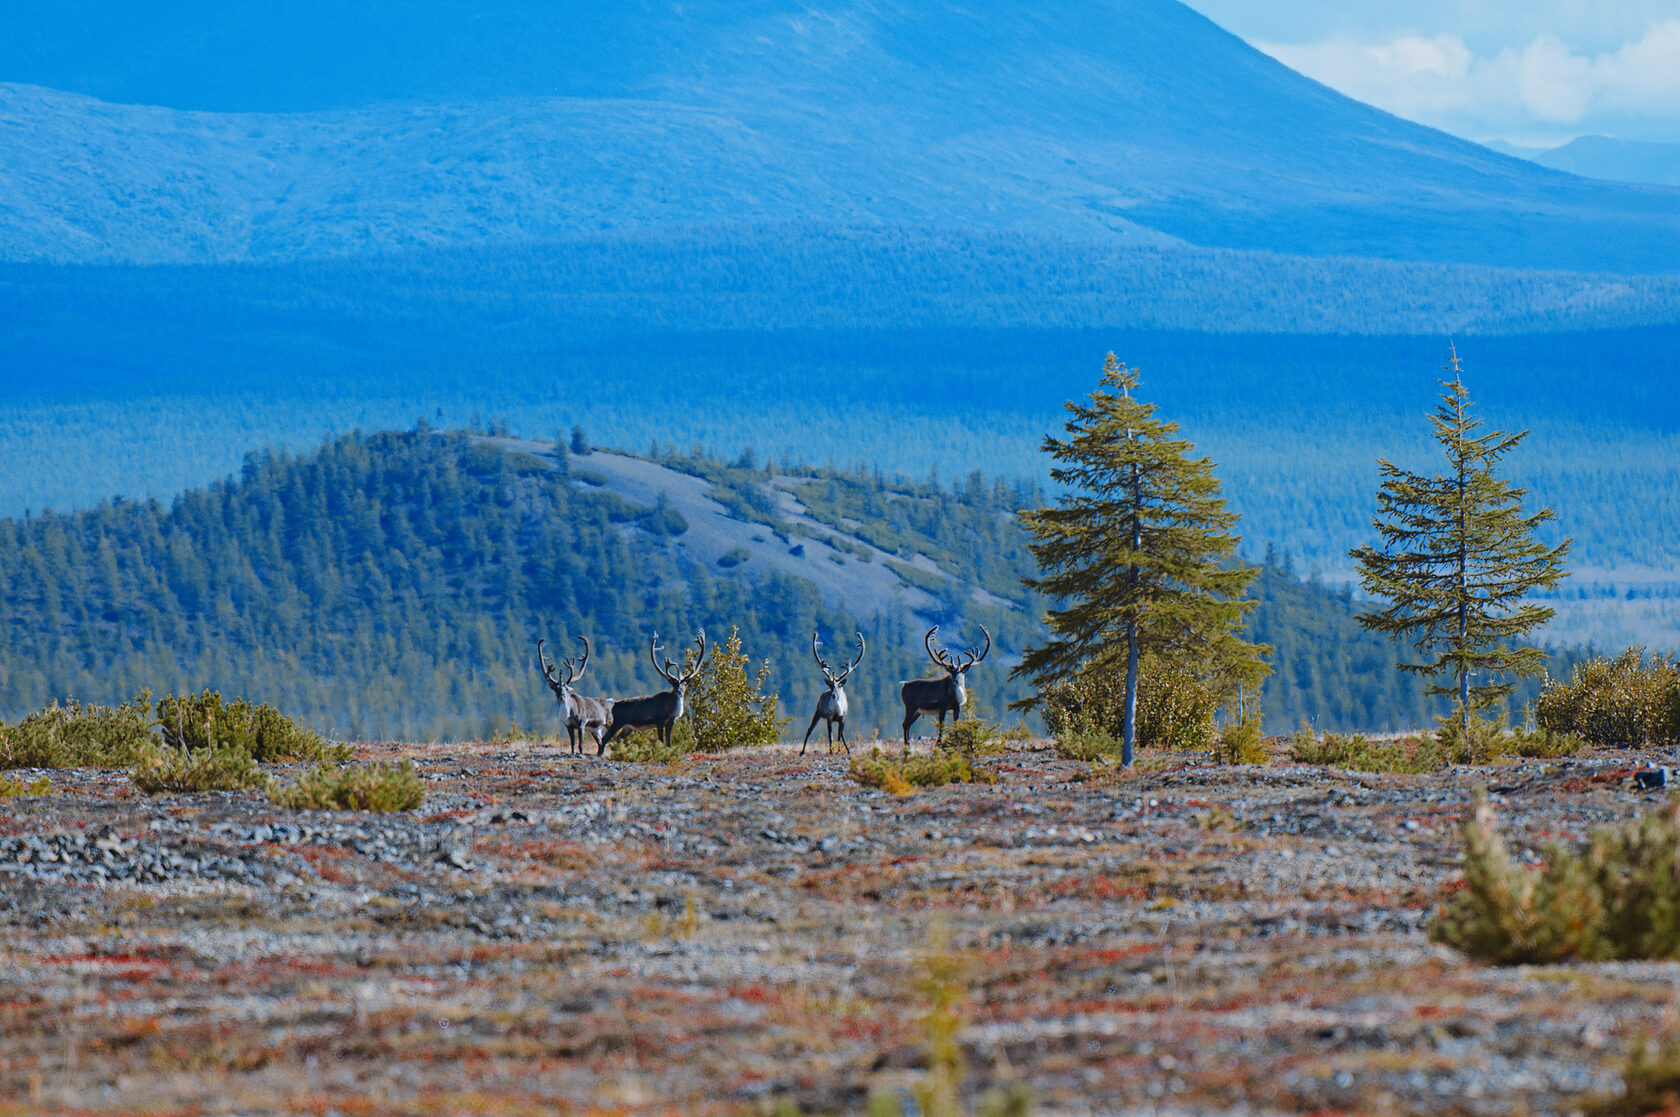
1543 83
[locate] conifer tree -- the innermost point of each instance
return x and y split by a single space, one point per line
1136 554
1458 556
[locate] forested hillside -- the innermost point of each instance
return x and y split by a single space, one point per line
393 585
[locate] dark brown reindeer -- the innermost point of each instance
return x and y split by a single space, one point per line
831 707
656 711
581 714
939 697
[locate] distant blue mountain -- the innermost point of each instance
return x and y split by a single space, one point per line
1616 160
306 130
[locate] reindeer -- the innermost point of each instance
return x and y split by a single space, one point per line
655 711
940 696
831 707
581 714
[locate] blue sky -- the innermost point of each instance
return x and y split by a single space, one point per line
1535 72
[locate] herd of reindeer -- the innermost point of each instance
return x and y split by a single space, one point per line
607 718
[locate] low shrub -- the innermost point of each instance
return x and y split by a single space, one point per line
198 721
973 738
1484 741
1242 742
78 736
1650 1082
1537 745
18 788
217 768
372 787
647 748
1357 753
1175 707
1094 746
1619 898
1628 700
901 775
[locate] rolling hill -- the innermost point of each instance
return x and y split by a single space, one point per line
393 585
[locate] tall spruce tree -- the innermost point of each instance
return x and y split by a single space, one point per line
1458 556
1136 554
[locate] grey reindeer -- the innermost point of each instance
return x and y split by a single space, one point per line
939 697
656 711
582 715
831 707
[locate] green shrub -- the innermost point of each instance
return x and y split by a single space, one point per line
198 721
734 557
1356 752
727 706
1650 1082
1628 700
1094 746
15 789
372 787
646 748
1175 707
1537 745
78 736
662 519
1242 742
901 775
221 767
972 738
1617 899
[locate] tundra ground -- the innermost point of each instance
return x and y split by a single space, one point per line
551 934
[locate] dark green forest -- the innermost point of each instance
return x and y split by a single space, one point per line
393 585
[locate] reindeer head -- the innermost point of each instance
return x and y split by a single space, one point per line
679 680
837 679
562 686
957 670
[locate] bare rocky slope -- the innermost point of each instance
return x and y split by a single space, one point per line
551 935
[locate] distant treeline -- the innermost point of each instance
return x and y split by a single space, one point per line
393 585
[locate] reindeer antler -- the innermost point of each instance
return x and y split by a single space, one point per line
584 666
653 654
828 672
939 656
972 657
846 673
543 663
699 640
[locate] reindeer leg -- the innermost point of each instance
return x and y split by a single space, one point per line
814 719
830 726
939 734
909 720
843 743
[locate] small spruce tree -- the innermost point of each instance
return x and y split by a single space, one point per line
1137 554
580 443
1458 556
727 705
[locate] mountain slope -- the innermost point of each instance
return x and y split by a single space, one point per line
1089 120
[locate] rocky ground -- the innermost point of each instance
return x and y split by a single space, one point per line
549 934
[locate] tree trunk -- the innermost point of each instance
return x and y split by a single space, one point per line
1464 704
1129 731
